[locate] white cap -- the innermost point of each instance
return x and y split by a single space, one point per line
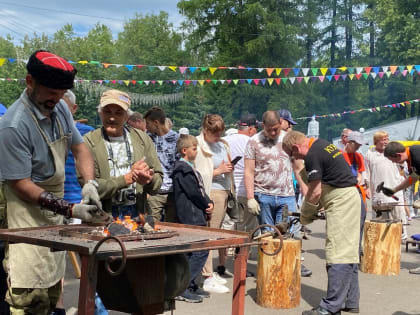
356 137
184 131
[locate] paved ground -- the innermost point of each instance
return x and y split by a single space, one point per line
380 295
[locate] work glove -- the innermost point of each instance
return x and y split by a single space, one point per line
253 206
309 212
89 213
90 195
416 204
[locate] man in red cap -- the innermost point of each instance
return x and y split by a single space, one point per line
35 136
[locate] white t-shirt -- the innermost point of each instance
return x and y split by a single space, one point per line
237 143
380 169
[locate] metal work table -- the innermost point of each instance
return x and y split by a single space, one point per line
188 239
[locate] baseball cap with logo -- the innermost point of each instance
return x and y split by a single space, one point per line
356 137
248 120
285 114
115 97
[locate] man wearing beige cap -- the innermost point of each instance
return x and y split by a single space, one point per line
126 163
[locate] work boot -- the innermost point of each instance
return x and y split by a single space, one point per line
351 310
319 311
305 272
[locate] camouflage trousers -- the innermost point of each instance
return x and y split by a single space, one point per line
33 301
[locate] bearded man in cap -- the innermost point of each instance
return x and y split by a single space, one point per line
35 136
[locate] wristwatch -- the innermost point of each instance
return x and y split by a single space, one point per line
93 182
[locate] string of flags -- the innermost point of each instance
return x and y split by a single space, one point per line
259 81
371 110
322 71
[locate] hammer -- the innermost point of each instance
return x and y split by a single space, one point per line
386 191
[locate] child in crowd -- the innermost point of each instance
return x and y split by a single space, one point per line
193 207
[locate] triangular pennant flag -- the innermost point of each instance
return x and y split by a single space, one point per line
351 75
381 74
82 62
358 76
93 62
229 81
296 71
181 82
222 81
286 71
314 71
120 82
385 68
350 70
375 69
151 68
106 65
106 81
305 71
100 81
204 69
342 68
292 79
344 77
378 109
299 79
140 82
333 70
208 81
249 69
263 81
194 82
146 82
278 70
139 66
161 68
214 81
388 73
129 67
260 70
411 71
393 69
160 82
2 61
417 67
192 69
306 79
329 77
365 75
270 81
241 67
212 70
126 82
359 70
133 82
117 65
269 71
336 77
284 80
114 81
321 78
401 68
373 75
249 81
201 82
367 70
221 67
235 82
277 80
324 71
404 73
187 82
182 69
153 82
173 68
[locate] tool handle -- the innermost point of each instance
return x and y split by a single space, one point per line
395 197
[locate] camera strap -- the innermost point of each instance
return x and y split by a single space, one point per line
127 146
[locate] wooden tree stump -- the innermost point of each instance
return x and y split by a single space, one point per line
381 248
278 277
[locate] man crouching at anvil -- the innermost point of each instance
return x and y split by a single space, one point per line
35 135
126 162
331 185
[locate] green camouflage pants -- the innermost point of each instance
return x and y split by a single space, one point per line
33 301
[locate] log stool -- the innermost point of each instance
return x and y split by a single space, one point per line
381 248
278 277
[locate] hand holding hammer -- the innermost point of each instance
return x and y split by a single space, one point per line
386 191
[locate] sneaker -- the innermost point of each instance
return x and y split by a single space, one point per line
415 271
305 272
221 270
319 311
211 285
199 291
189 296
218 278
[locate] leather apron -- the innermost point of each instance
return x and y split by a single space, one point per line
31 266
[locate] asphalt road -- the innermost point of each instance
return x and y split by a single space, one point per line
380 295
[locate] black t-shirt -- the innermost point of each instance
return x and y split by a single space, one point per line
325 162
415 158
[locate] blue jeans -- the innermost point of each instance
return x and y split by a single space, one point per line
272 208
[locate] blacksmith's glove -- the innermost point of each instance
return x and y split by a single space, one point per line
90 194
308 212
253 206
90 213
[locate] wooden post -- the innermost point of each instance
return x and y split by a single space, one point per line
278 278
381 248
87 285
239 279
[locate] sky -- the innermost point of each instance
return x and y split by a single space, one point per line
24 17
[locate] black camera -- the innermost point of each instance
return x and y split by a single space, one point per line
126 195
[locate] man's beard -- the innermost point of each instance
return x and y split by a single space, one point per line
43 107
